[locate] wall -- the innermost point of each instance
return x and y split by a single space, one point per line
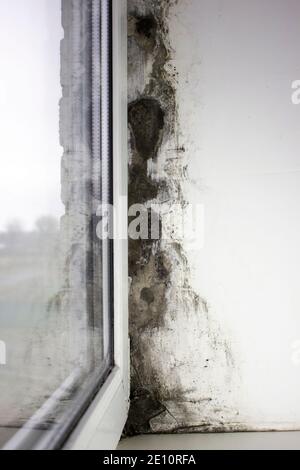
214 328
243 147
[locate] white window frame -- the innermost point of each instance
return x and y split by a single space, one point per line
101 426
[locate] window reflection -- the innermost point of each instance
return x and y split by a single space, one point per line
51 315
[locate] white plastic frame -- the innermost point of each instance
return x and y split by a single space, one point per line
101 426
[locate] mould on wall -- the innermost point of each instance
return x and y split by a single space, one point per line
167 318
146 119
144 29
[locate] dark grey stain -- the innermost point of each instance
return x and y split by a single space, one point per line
149 122
146 120
144 407
145 32
147 295
152 121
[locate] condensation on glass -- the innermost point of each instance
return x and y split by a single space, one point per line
55 273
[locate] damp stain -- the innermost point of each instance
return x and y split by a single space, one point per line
152 119
144 407
146 120
149 269
144 29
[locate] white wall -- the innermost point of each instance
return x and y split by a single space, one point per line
236 60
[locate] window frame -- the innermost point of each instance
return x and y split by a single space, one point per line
101 425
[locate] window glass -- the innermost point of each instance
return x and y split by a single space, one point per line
55 314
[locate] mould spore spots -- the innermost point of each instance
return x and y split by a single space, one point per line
146 120
141 187
144 29
146 26
161 264
150 119
147 295
140 252
155 266
144 407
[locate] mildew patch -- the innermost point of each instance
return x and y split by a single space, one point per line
144 29
175 345
146 119
144 407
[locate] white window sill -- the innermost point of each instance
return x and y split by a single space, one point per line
230 441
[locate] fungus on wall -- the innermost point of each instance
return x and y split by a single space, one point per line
181 364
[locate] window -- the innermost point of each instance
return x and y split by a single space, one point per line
63 358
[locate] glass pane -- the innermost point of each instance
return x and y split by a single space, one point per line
55 318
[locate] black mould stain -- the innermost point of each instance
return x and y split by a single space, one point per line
144 407
146 120
147 295
146 26
152 121
141 187
144 29
162 266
